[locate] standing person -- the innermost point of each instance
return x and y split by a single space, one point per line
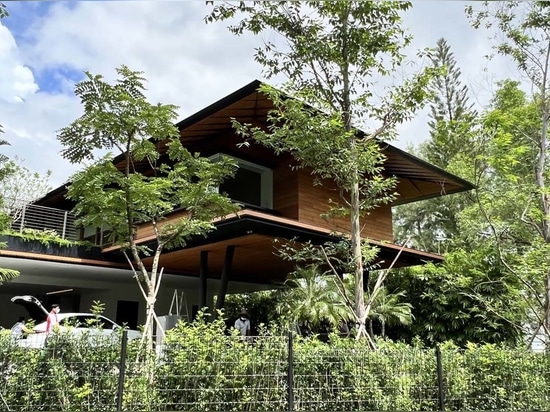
19 328
242 324
51 321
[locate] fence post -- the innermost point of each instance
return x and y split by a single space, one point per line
290 373
440 388
122 369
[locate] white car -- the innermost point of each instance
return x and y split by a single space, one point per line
75 323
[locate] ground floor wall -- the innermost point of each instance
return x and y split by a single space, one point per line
76 287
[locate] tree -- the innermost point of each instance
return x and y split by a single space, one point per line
21 186
523 34
153 175
5 274
432 224
337 53
389 310
313 299
471 296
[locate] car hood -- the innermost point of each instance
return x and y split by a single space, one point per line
34 307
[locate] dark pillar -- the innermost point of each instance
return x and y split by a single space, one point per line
203 277
224 280
366 278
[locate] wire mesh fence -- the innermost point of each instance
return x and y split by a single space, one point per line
197 370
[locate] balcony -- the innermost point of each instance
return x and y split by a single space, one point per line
32 216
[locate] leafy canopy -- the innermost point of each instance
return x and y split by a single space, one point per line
153 175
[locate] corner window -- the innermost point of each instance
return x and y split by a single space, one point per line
251 185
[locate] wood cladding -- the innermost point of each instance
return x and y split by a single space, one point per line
285 191
314 201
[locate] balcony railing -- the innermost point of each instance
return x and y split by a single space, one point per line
37 217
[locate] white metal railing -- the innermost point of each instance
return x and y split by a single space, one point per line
38 217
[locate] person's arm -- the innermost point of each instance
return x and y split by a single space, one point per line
49 323
248 328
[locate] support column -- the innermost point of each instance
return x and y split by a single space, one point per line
224 280
203 278
366 278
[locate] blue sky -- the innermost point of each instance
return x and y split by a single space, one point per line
46 45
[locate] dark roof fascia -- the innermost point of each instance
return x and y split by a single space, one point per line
431 167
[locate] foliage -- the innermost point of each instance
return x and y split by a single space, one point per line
431 224
469 298
259 306
200 352
336 54
473 296
321 291
523 35
314 299
202 368
21 186
46 237
152 176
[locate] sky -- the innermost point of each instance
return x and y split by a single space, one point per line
45 46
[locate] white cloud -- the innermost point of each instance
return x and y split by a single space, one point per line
186 61
16 80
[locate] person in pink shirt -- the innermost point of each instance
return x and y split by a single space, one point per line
52 321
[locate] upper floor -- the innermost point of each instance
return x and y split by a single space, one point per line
268 183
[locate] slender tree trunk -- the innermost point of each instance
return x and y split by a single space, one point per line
355 200
545 205
357 256
541 183
371 329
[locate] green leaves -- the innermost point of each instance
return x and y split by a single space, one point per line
335 54
151 176
116 117
3 11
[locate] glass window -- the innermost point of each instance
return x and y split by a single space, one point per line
251 185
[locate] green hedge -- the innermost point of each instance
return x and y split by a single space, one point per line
201 367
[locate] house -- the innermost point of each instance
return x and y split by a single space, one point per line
279 202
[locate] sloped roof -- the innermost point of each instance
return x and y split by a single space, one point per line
417 179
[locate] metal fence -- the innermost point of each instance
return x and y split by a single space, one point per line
267 373
37 217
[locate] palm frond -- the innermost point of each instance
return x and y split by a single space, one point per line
8 274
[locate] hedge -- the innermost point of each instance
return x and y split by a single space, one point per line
202 367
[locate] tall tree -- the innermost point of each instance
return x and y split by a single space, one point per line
334 55
523 34
154 176
432 224
472 296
